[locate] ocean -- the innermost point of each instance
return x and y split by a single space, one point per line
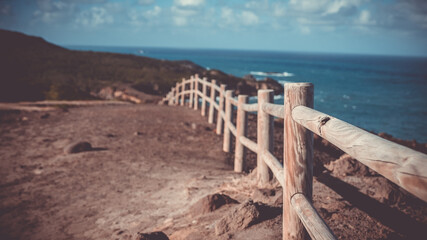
377 93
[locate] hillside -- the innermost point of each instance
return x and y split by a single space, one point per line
33 69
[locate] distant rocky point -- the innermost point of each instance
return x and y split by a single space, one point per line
33 69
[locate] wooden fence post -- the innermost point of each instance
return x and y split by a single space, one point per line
264 135
211 105
220 110
196 92
203 108
228 119
241 129
171 97
190 102
298 158
182 92
176 99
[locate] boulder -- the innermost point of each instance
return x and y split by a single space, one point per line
348 166
152 236
210 203
246 215
77 147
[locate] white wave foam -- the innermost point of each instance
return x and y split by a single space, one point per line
273 74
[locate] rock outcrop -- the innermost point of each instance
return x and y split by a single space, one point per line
246 215
210 203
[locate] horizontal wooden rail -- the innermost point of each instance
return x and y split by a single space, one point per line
251 145
275 166
216 106
217 88
200 94
184 92
401 165
274 110
232 128
233 101
313 223
250 107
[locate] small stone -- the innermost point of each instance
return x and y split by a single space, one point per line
24 119
44 116
77 147
137 133
194 126
152 236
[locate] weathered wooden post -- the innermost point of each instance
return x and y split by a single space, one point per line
241 129
211 105
190 102
171 97
203 108
196 92
182 92
298 158
264 135
176 100
228 119
220 110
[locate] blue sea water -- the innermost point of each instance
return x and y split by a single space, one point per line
377 93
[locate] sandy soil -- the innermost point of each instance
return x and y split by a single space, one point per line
149 165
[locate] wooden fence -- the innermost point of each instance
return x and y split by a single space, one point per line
403 166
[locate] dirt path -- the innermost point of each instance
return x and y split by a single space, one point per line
150 163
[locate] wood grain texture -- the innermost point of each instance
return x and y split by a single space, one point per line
212 99
401 165
250 107
314 224
251 145
203 108
227 121
241 130
274 109
219 120
275 166
298 158
264 136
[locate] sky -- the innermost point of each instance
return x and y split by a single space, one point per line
383 27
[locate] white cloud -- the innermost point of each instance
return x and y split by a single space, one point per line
189 3
231 19
309 6
365 18
180 15
180 21
148 17
53 11
249 18
305 30
145 2
94 17
227 15
279 10
153 12
257 5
